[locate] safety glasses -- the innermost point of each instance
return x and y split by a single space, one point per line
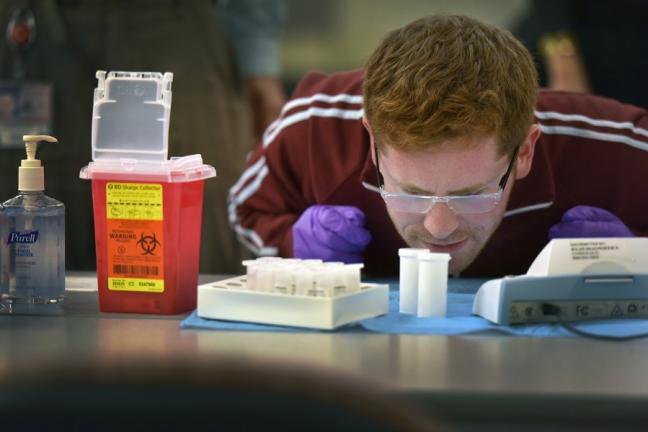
460 204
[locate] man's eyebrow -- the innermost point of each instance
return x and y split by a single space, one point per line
464 191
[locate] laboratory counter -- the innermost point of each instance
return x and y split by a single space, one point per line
491 381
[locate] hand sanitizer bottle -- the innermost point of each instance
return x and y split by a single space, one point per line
32 242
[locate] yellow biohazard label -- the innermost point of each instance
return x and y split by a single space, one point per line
134 201
135 243
132 284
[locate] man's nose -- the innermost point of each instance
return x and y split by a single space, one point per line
441 221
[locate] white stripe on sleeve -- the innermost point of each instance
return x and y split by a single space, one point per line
586 133
251 171
553 115
529 208
371 187
311 112
317 97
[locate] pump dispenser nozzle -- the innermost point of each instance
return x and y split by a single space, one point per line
31 173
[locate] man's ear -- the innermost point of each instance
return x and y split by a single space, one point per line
365 123
372 143
526 152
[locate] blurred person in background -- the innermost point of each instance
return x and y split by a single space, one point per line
590 46
226 89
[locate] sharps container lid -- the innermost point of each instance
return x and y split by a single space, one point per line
130 116
130 131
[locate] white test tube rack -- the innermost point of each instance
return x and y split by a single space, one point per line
292 292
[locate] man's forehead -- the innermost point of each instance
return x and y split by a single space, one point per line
460 150
447 168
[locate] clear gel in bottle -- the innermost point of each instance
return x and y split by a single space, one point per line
32 242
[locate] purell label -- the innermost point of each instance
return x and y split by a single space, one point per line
26 237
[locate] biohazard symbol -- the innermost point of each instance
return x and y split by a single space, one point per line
148 243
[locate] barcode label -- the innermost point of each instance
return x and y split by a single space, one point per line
136 270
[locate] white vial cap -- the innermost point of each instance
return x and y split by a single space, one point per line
433 256
268 259
410 252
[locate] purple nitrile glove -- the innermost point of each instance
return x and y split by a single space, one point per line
586 221
331 233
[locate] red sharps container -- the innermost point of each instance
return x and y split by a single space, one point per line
147 208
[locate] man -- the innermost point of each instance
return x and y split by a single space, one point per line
437 145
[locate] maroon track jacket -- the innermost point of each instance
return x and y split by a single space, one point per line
592 151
